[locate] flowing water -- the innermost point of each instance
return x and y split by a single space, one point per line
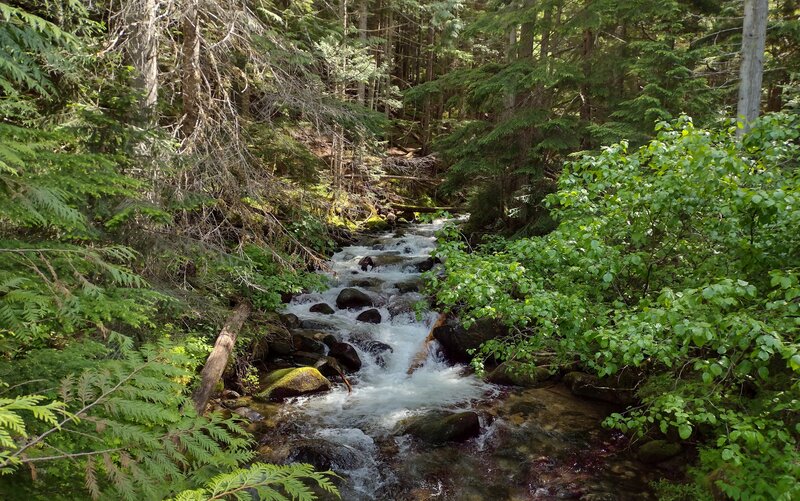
534 443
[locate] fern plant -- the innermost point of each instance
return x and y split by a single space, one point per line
266 481
126 427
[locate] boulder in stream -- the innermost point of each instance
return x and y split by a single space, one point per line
323 455
656 451
437 428
390 258
403 303
412 285
323 308
317 325
285 383
346 355
353 298
457 341
307 341
518 374
371 316
375 348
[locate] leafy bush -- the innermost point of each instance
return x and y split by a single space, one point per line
681 259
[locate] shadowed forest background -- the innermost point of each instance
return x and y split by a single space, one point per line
167 165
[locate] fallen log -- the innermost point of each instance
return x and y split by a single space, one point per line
429 210
218 358
422 354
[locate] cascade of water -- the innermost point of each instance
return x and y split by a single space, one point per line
383 392
535 443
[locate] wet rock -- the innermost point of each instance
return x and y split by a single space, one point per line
323 308
290 320
375 348
390 259
367 283
249 414
425 265
401 304
329 367
303 341
378 247
353 298
371 316
346 355
318 325
322 336
606 389
456 341
324 455
366 263
656 451
518 374
437 428
307 358
408 286
281 347
285 383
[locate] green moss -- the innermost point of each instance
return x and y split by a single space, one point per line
292 382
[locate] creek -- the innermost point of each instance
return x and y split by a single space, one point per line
529 443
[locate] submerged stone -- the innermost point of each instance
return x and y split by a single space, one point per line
439 428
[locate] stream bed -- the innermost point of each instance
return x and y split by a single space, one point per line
526 443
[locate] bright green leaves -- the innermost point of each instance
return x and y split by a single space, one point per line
680 259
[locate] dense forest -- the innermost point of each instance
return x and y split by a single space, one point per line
173 172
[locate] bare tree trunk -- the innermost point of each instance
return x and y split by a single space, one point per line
190 85
389 52
143 50
428 109
754 34
218 359
586 101
362 37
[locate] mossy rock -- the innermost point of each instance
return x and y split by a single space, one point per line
656 451
375 223
516 374
293 382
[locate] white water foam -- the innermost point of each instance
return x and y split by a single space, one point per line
382 394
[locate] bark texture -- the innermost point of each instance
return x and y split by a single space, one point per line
218 358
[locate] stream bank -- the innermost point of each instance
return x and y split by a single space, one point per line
437 432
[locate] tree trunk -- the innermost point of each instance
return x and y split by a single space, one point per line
428 109
191 69
218 359
143 51
389 54
586 88
754 35
362 37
